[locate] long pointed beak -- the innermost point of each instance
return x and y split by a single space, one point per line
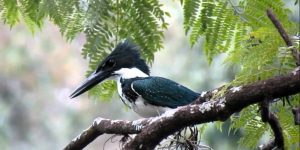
91 81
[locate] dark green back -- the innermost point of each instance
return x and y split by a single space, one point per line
163 92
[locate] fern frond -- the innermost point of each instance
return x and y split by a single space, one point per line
253 131
255 12
144 24
295 100
104 91
189 8
240 120
261 50
9 12
202 22
252 125
73 25
223 27
30 12
217 23
290 130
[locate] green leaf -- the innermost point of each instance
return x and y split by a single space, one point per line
9 12
104 91
219 125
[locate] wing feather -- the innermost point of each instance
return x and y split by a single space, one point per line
163 92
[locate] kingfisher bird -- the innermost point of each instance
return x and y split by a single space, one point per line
146 95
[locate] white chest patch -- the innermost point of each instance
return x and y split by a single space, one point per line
147 110
139 107
122 96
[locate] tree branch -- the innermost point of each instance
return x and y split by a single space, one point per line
271 118
296 113
284 35
101 126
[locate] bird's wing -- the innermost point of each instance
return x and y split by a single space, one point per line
163 92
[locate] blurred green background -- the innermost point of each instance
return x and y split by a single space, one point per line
40 70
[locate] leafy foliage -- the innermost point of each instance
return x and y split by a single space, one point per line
291 133
9 11
254 128
103 22
216 21
240 29
252 125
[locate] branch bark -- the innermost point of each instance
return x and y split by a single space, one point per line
296 113
271 118
284 35
151 131
101 126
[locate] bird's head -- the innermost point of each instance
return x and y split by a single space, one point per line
124 61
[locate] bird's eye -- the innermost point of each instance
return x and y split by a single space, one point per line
110 63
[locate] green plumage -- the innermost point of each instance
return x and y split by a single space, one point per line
163 92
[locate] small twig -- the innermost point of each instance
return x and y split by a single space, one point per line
271 118
284 35
275 125
265 114
296 113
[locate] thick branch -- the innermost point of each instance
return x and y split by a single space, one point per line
284 35
233 101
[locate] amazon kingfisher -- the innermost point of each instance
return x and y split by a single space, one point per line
146 95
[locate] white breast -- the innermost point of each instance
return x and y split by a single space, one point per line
122 96
147 110
140 107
